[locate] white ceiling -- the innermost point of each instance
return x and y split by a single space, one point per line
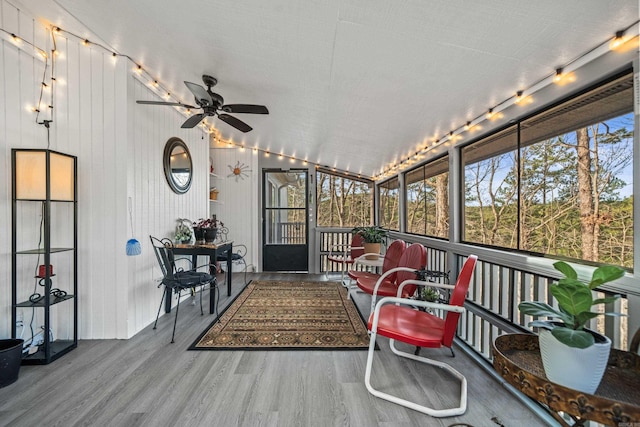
351 84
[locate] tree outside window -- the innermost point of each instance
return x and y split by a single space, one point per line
558 183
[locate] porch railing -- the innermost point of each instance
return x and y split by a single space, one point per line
494 293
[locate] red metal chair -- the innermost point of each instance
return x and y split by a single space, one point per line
346 254
391 260
399 319
412 259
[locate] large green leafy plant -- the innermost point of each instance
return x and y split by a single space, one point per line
575 300
372 234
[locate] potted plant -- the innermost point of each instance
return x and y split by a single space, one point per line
373 237
183 231
430 294
206 230
572 355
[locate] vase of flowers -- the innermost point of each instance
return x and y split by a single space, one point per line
183 232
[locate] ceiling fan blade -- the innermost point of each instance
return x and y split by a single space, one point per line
201 94
236 123
193 121
245 108
175 104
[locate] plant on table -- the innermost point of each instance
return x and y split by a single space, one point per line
183 231
208 223
207 229
572 355
575 300
372 234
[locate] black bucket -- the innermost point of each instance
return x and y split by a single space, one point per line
10 358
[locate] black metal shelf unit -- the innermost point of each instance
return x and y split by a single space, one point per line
55 176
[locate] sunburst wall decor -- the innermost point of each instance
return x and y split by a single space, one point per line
239 171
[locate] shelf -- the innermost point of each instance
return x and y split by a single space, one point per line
40 200
58 348
64 220
213 175
41 250
53 300
215 201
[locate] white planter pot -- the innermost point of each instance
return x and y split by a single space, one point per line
577 368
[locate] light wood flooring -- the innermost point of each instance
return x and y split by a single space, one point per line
146 381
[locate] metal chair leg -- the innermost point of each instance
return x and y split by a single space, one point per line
201 289
176 318
164 291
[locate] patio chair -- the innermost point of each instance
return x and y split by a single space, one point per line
237 258
391 260
409 321
345 254
177 280
412 259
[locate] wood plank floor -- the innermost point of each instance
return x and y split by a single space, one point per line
146 381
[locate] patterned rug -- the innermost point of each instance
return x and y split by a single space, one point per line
278 315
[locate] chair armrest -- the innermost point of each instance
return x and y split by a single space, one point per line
423 283
386 274
411 303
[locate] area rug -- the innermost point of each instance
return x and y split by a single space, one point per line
279 315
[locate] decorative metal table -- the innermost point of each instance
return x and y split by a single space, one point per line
212 251
616 402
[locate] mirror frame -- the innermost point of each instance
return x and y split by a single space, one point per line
171 144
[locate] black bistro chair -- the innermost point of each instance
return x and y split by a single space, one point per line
176 279
237 258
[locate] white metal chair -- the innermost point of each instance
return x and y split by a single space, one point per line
400 319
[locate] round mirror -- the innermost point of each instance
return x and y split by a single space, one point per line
178 168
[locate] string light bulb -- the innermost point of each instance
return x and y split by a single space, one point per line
518 97
559 74
85 42
489 113
617 41
467 126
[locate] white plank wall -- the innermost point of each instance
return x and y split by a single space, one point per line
238 199
119 145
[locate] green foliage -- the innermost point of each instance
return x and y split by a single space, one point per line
372 234
183 231
575 300
429 294
545 215
342 202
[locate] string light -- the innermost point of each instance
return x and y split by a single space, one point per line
618 40
561 74
558 77
518 97
489 113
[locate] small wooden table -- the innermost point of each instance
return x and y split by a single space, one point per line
212 251
616 402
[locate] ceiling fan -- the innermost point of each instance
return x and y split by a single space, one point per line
211 104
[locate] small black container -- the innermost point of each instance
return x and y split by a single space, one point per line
210 234
10 358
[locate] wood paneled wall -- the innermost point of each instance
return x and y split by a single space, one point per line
119 146
238 199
